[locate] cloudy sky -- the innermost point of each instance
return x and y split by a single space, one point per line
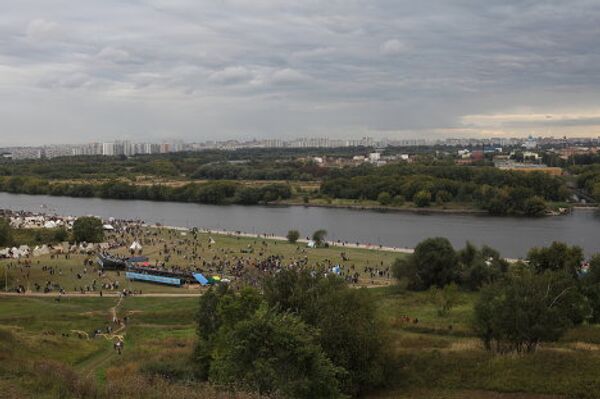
78 71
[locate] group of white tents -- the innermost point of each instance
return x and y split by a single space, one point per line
25 251
40 222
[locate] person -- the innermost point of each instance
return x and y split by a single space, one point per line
118 346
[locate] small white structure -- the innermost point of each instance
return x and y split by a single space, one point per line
108 227
374 157
39 251
136 246
51 224
312 244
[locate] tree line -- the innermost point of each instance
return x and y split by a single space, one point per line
497 191
217 192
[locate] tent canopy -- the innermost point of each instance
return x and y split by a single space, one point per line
200 278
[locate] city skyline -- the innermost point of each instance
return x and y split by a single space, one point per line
282 69
132 148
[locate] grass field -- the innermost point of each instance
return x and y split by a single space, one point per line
45 353
433 361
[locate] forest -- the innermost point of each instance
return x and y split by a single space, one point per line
225 177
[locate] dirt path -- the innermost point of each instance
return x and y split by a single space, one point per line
92 365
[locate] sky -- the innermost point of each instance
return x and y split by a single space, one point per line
196 70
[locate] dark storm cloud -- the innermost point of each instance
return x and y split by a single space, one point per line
231 68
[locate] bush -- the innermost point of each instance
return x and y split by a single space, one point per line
422 199
535 206
445 299
242 343
399 200
521 312
384 198
433 263
557 257
273 353
350 333
591 287
292 236
6 233
319 237
88 229
443 196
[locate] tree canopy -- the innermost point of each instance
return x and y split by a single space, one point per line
522 311
88 229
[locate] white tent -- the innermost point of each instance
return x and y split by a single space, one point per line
59 249
136 246
50 224
39 251
89 248
312 244
211 241
108 227
25 250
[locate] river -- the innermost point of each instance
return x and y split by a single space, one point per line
512 236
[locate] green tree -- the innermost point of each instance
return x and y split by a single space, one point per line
272 353
399 200
535 206
6 233
433 263
384 198
88 229
292 236
443 196
519 313
557 257
480 266
445 299
319 237
350 332
422 199
243 344
61 234
591 287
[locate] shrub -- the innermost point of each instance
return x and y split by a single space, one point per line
422 199
399 200
6 233
384 198
350 333
274 353
433 263
292 236
319 237
519 313
557 257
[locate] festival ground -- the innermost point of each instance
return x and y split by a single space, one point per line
216 257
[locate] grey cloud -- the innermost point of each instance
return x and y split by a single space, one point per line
220 69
